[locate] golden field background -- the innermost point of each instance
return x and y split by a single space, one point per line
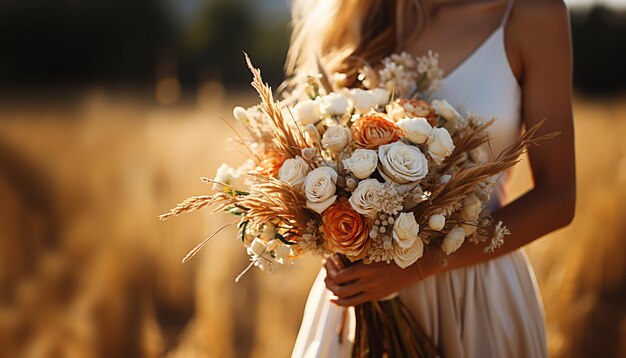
86 270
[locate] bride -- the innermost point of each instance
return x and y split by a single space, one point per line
501 58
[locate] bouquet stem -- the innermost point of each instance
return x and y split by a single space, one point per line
388 329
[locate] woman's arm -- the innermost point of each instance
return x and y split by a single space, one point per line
539 32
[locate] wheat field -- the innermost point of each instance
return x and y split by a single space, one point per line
86 270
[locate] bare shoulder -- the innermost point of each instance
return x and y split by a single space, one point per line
540 29
535 17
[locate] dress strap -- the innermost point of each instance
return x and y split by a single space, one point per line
507 12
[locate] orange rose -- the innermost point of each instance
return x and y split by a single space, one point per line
374 130
414 108
347 232
272 160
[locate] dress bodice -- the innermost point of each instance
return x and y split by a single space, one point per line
484 85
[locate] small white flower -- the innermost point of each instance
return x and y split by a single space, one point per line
336 104
469 212
281 254
417 130
453 240
336 138
362 163
381 96
307 111
241 114
268 233
225 175
294 171
445 109
363 100
436 222
405 257
257 248
405 230
478 155
319 188
364 199
444 179
440 145
402 163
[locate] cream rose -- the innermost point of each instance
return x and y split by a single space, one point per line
440 145
381 96
453 240
362 163
402 163
469 212
417 130
362 100
407 257
319 189
445 109
405 230
336 138
307 111
364 197
336 104
294 171
437 222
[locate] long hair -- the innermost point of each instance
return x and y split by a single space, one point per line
343 35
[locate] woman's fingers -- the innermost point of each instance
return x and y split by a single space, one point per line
353 300
344 291
350 273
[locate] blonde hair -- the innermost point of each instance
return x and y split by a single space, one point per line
343 35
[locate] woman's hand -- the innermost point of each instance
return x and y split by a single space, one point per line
360 283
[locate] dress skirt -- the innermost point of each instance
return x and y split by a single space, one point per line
492 309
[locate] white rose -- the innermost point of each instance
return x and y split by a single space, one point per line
319 188
445 109
405 230
225 175
417 130
469 212
336 138
362 163
381 96
402 163
440 145
294 171
453 240
407 257
307 111
437 222
336 104
364 197
363 100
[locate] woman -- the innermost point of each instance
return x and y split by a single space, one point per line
501 58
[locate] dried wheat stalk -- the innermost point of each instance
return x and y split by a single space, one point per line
463 182
288 139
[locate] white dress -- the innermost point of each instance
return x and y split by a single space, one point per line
491 309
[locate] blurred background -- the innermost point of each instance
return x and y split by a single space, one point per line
111 111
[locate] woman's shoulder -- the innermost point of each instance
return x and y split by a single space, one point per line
538 29
538 15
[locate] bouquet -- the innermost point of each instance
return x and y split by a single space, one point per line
380 173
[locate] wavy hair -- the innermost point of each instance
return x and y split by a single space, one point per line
343 35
